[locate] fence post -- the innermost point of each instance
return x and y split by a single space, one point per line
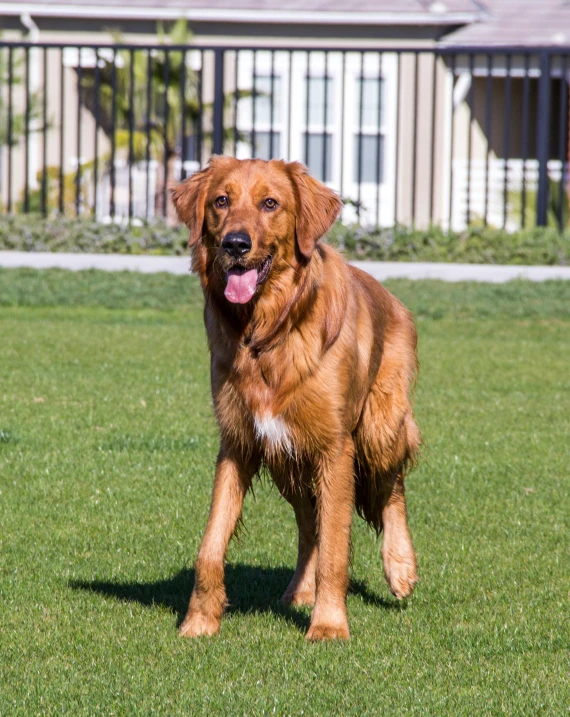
543 139
218 133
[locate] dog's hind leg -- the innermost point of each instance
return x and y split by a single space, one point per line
301 589
387 448
398 555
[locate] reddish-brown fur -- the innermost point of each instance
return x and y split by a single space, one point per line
310 378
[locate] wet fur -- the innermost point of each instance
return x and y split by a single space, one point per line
311 379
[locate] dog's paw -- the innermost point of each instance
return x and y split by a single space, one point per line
197 624
401 575
318 633
298 597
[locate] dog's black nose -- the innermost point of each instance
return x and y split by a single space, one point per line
236 244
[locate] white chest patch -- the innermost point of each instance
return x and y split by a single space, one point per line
273 430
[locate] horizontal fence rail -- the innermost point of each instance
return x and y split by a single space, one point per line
451 137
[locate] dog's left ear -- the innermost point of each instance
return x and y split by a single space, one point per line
317 208
189 199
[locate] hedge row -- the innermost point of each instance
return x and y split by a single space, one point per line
29 232
541 246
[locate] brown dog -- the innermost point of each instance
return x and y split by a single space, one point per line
312 364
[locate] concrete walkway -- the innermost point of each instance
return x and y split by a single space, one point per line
379 270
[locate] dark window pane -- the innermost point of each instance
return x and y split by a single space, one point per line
314 159
191 147
317 100
263 99
263 145
369 158
371 86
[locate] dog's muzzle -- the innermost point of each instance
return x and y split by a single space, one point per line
236 244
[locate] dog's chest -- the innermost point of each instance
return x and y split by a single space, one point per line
261 400
273 432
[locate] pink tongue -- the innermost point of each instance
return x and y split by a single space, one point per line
241 286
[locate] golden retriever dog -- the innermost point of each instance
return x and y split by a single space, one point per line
312 362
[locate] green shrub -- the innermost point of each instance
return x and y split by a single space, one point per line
59 234
476 245
537 245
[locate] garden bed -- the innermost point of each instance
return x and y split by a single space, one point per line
477 245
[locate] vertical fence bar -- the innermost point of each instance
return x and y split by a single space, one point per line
488 130
415 145
307 90
432 157
342 113
96 113
166 118
325 117
271 103
525 126
451 139
218 122
10 125
289 104
61 131
562 139
131 127
236 101
360 113
253 104
183 122
543 138
379 157
79 102
397 138
470 138
3 54
507 139
44 135
112 208
148 129
27 133
201 108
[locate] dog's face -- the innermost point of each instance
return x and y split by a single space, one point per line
254 219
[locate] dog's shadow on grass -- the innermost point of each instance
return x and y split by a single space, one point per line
249 589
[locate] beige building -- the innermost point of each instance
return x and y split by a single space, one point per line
392 104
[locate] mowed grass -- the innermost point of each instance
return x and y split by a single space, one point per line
107 450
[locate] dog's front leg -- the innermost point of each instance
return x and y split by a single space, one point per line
335 500
233 478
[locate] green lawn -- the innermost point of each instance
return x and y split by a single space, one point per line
107 448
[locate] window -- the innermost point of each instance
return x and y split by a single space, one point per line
372 104
315 145
369 138
317 88
369 158
262 148
263 97
259 113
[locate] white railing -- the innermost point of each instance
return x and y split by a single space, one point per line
485 189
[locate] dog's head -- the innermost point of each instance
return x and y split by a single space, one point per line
254 219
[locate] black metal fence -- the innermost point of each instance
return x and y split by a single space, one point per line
416 136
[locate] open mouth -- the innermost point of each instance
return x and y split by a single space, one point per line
242 282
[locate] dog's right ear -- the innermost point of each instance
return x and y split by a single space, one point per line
189 199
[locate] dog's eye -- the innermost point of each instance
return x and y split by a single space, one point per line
221 202
270 203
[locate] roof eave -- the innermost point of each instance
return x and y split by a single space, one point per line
237 15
